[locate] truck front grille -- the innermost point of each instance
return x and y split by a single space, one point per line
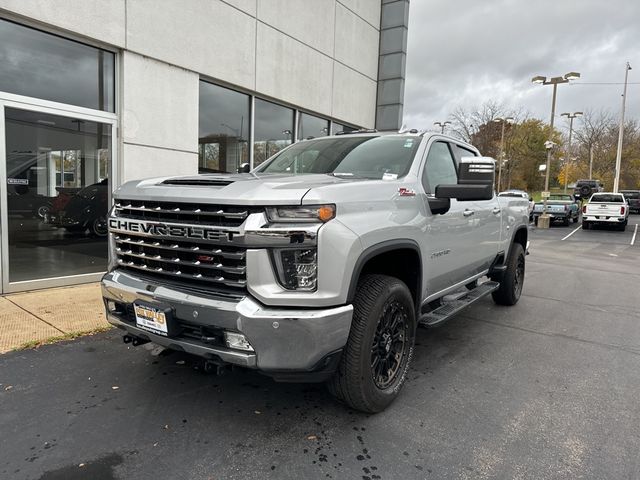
190 213
186 260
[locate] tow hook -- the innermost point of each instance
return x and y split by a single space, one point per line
214 368
135 341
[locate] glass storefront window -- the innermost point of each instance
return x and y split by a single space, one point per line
272 130
57 194
42 65
337 127
310 126
223 139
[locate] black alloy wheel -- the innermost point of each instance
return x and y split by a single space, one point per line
375 361
389 344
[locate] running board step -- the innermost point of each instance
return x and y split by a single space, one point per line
449 308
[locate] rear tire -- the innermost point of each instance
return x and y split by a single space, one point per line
565 221
512 280
378 353
575 219
585 225
98 227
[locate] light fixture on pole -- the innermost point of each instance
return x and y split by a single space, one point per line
503 121
616 180
544 220
442 125
570 116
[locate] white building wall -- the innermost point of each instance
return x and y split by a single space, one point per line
94 19
159 118
319 56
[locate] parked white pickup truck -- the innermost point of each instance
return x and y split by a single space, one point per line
605 208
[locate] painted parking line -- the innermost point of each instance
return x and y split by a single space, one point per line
635 232
578 228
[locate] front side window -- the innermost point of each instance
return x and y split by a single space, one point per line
440 168
358 157
42 65
223 139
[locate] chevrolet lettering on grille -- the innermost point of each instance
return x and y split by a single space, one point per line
161 229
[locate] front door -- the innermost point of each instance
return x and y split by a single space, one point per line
450 240
56 172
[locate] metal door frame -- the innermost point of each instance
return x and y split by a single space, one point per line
54 108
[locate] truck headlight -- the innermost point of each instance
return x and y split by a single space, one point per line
297 269
305 214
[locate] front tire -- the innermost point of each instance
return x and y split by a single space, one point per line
512 280
378 353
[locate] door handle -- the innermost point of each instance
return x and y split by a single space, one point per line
496 211
468 213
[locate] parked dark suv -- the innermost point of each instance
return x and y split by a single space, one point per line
586 188
633 199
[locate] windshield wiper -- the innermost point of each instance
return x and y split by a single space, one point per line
345 175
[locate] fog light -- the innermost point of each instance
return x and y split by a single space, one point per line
237 341
297 269
111 306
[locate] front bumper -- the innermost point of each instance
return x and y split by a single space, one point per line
285 340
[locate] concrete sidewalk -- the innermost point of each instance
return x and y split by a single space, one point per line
42 314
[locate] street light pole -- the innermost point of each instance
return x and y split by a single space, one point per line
616 181
503 121
544 220
442 125
570 116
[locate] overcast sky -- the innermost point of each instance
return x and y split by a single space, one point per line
465 52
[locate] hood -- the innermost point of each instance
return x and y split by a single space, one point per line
230 189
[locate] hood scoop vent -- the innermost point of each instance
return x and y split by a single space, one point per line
200 182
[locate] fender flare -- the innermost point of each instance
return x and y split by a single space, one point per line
377 249
499 265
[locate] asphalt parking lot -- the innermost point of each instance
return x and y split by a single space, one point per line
545 389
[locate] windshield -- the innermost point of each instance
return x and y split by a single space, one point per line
560 197
512 194
366 157
606 198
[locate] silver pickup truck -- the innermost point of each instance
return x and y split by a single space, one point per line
320 263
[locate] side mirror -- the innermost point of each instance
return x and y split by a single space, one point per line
477 171
465 192
244 168
475 180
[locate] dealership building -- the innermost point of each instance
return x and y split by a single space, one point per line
95 93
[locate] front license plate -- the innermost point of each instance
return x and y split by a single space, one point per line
151 318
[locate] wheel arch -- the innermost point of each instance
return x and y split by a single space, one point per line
399 258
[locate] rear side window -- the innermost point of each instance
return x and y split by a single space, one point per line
606 198
440 168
